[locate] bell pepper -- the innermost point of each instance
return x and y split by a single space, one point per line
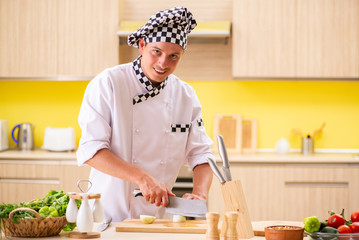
48 212
311 224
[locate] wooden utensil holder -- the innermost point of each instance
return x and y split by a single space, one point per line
235 201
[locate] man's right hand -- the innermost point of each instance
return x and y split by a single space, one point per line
154 191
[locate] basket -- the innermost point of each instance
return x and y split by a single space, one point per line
37 227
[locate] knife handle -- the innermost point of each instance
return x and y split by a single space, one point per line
222 151
137 193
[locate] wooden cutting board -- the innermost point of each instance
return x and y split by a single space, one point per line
162 226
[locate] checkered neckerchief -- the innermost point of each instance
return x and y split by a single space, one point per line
152 91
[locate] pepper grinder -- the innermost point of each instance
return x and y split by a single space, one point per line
231 233
212 223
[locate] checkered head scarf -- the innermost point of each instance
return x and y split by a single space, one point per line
170 25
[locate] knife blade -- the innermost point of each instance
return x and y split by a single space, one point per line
215 170
183 206
223 153
104 225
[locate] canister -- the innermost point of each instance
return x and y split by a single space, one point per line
307 145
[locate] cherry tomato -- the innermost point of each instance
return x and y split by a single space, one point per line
344 229
336 220
354 227
355 216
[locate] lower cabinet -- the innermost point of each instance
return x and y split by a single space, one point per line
25 180
293 191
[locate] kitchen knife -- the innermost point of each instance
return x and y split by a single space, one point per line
183 206
223 153
104 225
215 170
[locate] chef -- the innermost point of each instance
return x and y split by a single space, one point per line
140 124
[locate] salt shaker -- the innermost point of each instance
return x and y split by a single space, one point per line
97 211
84 217
71 210
212 222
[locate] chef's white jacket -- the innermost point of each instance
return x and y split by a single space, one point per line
158 135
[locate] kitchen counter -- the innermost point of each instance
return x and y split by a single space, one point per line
39 154
111 233
294 158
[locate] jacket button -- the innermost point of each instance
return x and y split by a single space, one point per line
167 131
161 162
137 130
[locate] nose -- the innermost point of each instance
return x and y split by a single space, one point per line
163 61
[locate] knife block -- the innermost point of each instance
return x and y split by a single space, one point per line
235 201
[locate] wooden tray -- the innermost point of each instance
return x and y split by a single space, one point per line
162 226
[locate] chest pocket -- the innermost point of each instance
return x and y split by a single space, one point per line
180 128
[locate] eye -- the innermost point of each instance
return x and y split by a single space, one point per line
174 56
156 51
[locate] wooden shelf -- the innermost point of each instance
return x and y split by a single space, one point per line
206 29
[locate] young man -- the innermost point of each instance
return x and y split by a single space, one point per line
140 124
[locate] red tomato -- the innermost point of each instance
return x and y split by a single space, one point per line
336 220
355 216
344 229
354 227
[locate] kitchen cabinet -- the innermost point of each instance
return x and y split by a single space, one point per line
25 176
296 39
60 39
294 188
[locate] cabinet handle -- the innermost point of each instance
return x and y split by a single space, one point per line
19 180
316 184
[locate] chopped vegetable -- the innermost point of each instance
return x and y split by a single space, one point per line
178 218
147 219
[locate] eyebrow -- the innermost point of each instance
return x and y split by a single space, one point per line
157 48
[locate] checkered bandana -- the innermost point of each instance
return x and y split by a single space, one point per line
152 91
170 25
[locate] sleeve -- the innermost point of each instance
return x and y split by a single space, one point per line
198 148
95 118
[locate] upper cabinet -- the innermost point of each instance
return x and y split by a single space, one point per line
59 39
296 39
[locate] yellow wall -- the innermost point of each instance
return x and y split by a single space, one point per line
279 106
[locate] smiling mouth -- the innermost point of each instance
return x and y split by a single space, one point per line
159 71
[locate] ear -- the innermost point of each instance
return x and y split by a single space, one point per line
141 45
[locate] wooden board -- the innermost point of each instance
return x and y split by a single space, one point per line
249 135
230 127
162 226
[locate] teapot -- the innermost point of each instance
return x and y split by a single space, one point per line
25 136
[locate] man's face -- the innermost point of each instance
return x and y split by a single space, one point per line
159 59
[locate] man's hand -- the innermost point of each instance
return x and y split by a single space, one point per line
194 196
154 191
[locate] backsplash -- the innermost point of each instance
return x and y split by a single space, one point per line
278 106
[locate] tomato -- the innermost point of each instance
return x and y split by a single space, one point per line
336 220
354 227
344 229
355 216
